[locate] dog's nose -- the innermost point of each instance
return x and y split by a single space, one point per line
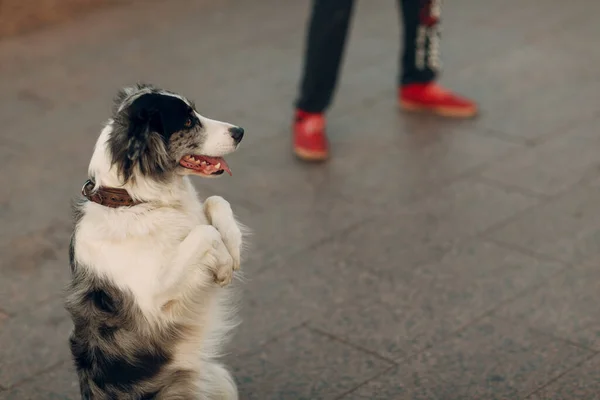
237 133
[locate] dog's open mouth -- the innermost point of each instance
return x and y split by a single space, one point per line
205 165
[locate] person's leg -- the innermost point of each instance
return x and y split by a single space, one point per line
420 63
420 57
324 48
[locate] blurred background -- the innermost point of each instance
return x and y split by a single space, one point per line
428 259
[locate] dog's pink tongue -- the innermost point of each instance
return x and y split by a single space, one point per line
217 160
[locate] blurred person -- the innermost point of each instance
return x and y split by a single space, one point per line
417 89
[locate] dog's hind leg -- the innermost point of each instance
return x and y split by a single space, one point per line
217 382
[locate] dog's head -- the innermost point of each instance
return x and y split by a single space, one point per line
157 134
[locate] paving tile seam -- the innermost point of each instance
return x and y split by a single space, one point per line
510 188
270 340
544 137
487 131
354 389
542 203
39 373
341 233
559 133
493 310
472 173
586 177
474 238
466 239
449 336
519 214
306 323
490 313
439 186
560 375
525 251
523 292
350 344
540 332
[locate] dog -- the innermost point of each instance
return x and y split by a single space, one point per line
149 260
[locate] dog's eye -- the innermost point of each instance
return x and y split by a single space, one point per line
188 123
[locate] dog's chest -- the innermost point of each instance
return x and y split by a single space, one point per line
137 262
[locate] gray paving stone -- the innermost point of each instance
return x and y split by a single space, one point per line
459 210
290 292
296 367
565 307
42 195
553 166
413 306
33 342
567 228
582 382
397 180
513 95
493 359
464 208
344 267
580 33
499 26
395 158
34 267
59 383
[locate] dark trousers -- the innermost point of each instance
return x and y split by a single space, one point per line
325 42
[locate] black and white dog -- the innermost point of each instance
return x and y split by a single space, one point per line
149 259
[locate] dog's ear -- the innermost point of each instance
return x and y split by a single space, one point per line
138 140
120 98
125 92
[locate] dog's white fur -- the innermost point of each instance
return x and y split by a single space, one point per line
168 252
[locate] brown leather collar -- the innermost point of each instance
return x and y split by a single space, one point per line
108 197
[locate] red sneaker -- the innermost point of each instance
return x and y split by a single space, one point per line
432 97
310 142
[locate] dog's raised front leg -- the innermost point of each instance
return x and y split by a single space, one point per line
204 248
219 214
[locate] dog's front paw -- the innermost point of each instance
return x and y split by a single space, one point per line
212 253
235 251
224 275
219 214
220 261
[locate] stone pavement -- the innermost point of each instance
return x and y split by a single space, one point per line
430 259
